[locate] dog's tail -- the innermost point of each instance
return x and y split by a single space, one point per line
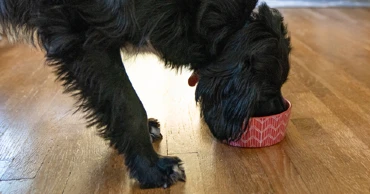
15 19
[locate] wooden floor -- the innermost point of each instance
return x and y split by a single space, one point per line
46 149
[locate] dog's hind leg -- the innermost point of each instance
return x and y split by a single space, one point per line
97 76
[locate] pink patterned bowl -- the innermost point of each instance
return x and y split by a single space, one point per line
265 131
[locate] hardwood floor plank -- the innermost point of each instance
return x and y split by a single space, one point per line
303 103
28 161
349 52
356 98
343 138
343 165
227 169
94 163
21 110
18 125
59 162
14 187
194 179
3 167
19 80
349 115
355 122
316 176
322 139
280 170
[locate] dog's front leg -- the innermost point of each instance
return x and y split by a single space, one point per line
112 104
93 71
130 135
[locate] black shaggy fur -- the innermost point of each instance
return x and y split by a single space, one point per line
240 54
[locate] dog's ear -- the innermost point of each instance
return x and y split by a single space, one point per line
274 21
228 95
218 19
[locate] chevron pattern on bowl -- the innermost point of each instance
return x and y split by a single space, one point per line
265 131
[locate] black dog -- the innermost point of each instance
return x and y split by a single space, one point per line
240 56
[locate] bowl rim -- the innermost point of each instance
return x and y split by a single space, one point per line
268 116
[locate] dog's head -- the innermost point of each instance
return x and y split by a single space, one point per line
251 50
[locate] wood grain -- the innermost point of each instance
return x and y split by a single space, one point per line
281 171
315 175
3 166
44 148
15 187
59 163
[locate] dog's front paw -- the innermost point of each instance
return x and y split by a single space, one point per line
166 172
154 129
172 169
